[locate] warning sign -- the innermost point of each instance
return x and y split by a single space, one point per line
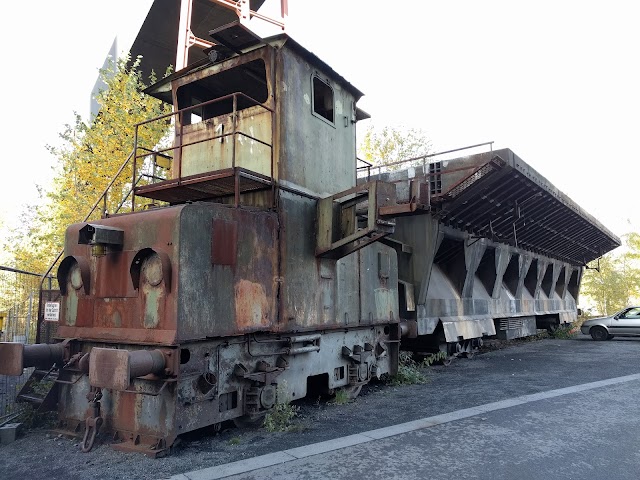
52 311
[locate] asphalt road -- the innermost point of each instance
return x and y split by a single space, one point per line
588 435
571 428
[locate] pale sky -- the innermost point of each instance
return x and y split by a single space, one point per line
556 81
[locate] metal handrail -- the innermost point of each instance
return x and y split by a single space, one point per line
369 166
208 102
180 113
93 209
133 156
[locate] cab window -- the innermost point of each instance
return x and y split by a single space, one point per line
322 99
248 78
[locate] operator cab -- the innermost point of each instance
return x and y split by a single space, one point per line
241 113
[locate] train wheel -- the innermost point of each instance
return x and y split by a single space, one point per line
249 422
552 328
352 391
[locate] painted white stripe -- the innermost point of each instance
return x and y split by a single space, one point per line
276 458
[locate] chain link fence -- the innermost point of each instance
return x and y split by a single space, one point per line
19 322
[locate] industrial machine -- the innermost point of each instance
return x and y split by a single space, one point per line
270 262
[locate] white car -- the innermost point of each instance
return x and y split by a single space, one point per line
625 323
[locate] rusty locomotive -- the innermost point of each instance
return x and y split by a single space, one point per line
277 263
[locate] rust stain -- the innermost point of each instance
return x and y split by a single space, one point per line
252 306
224 242
124 415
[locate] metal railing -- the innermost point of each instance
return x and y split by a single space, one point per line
178 150
101 199
9 388
134 157
19 293
422 160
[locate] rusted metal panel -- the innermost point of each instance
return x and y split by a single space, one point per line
11 362
216 154
304 136
224 242
112 277
220 299
114 309
327 292
300 270
347 309
109 368
378 284
252 307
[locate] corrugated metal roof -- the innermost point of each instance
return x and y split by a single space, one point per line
506 200
161 90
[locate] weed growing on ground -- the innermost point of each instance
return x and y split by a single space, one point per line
341 397
31 419
42 387
434 358
234 441
408 371
566 332
280 418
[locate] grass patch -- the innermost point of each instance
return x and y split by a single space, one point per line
408 371
234 441
280 418
341 397
31 419
566 332
434 358
42 387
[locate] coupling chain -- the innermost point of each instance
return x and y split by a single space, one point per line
94 420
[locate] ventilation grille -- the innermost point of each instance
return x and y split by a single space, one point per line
435 182
510 323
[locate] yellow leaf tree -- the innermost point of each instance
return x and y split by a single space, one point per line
89 156
389 144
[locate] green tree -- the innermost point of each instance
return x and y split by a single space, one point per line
389 144
89 156
632 242
617 283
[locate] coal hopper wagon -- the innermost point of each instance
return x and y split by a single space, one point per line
270 263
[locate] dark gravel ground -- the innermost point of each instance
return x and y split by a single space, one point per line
503 370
